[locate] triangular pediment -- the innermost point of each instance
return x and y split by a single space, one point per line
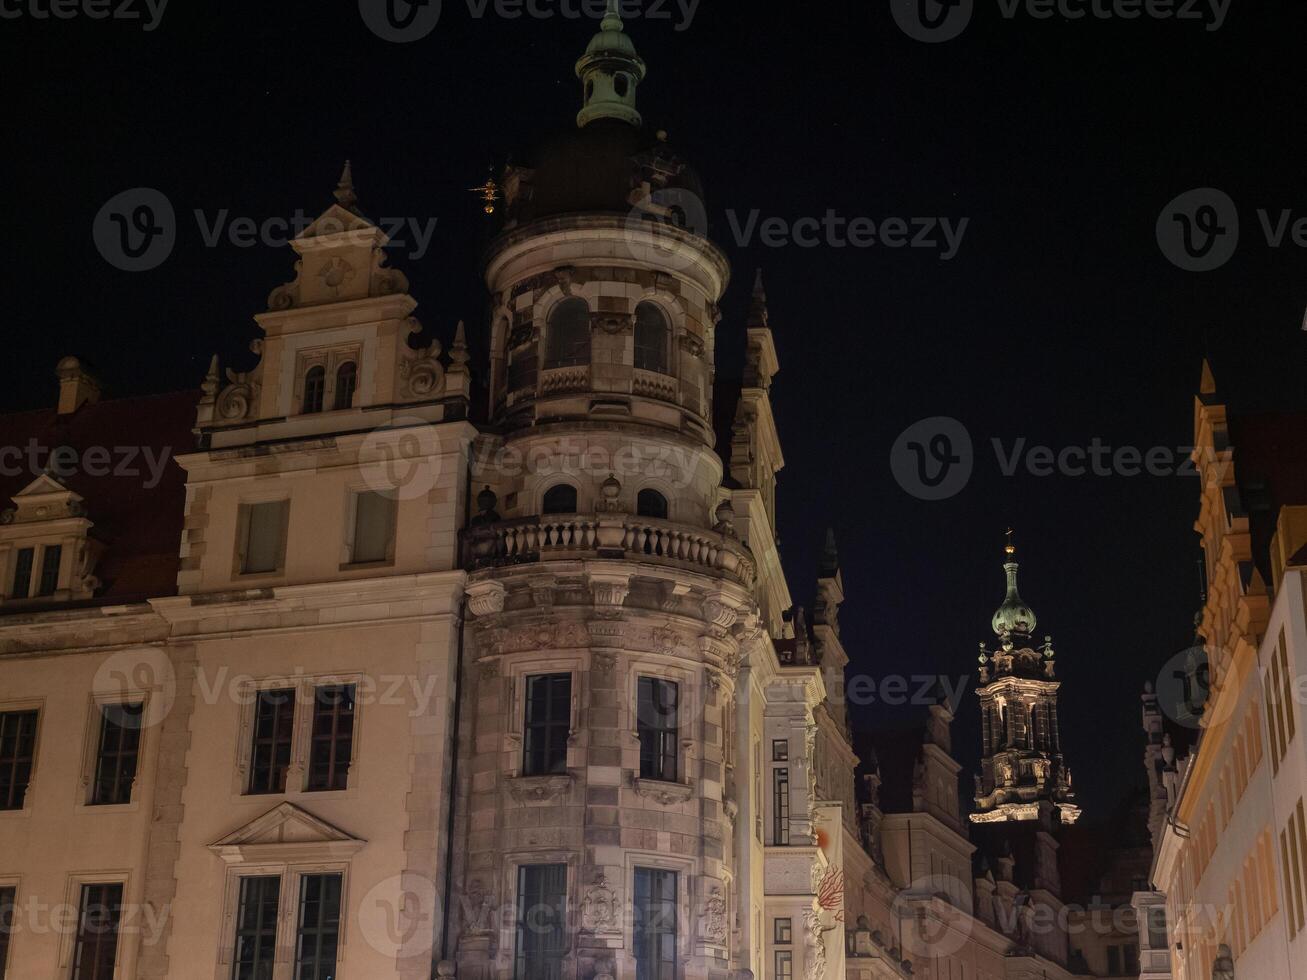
334 221
45 485
283 832
46 499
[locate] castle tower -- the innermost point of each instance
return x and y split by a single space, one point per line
608 771
1023 776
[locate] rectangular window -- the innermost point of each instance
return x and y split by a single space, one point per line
374 527
1157 928
656 724
23 562
274 722
8 896
780 750
780 807
263 547
1131 954
98 915
256 928
318 934
51 556
332 750
783 931
115 761
547 725
1114 961
1287 690
655 924
17 748
541 922
1270 725
784 965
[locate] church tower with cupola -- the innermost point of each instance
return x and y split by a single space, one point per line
1023 776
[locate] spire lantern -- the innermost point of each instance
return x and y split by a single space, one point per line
610 71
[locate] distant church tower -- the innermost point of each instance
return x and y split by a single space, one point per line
1022 773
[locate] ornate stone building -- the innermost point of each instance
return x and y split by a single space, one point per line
387 672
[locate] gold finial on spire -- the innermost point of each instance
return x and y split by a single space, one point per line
1011 549
489 192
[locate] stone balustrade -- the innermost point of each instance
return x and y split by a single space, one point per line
569 536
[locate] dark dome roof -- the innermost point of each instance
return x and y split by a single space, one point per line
595 168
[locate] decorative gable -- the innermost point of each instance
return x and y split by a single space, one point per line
286 833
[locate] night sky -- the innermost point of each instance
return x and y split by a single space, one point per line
1058 321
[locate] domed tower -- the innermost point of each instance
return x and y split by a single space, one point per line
611 591
1023 776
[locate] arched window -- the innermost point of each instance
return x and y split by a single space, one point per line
568 340
560 499
651 503
622 85
652 338
347 379
315 383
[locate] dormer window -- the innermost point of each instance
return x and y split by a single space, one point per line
315 387
346 383
46 551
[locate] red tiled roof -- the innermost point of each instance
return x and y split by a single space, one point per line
139 521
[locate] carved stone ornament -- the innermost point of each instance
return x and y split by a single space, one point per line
603 663
336 272
719 615
599 907
420 370
539 789
237 401
664 794
486 598
385 282
690 344
714 916
563 635
479 911
613 323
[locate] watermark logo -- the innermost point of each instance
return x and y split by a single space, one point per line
403 460
832 230
400 21
932 928
129 674
933 459
136 230
932 21
398 916
1189 684
1199 230
666 214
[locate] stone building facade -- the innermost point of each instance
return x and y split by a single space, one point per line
389 671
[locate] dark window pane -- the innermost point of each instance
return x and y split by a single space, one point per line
651 503
51 556
120 743
652 338
780 807
347 377
541 922
655 924
98 917
784 965
374 517
332 747
657 727
23 563
560 499
783 931
315 384
256 928
274 720
547 724
318 934
568 334
7 914
17 747
264 531
780 750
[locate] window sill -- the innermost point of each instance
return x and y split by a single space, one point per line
366 566
16 814
131 807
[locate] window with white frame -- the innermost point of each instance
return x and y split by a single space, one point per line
118 749
8 903
541 922
284 913
17 755
546 724
657 728
310 728
99 917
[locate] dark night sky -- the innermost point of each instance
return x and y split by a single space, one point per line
1058 321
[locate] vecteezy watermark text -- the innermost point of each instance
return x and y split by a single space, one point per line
148 12
405 21
934 21
137 230
1199 230
934 459
832 230
62 462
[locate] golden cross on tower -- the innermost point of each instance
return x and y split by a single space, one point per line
489 192
1011 549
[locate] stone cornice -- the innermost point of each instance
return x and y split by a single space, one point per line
75 630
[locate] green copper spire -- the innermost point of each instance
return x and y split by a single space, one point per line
1013 616
610 71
